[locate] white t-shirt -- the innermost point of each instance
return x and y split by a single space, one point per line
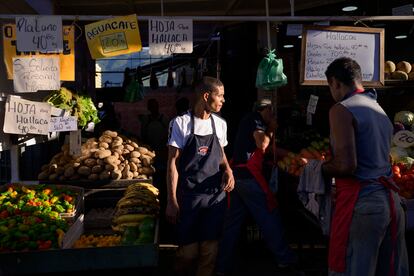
180 129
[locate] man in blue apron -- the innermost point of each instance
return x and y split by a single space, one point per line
198 175
367 231
251 192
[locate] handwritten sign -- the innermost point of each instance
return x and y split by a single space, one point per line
39 33
23 116
170 36
67 57
113 37
36 73
322 45
63 123
404 139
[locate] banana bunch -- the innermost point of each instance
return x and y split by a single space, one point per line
139 202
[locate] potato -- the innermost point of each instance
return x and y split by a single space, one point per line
411 75
135 145
147 170
100 162
105 139
44 167
90 141
84 170
53 176
104 175
130 175
103 145
116 143
93 177
146 160
133 167
121 167
69 171
52 168
135 174
403 66
125 171
116 154
116 174
59 170
129 147
117 148
118 161
151 154
142 176
134 154
111 159
75 177
43 175
111 167
135 160
142 150
125 152
121 158
97 169
111 134
399 75
102 154
90 162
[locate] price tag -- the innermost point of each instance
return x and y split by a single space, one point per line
404 139
59 124
313 101
75 142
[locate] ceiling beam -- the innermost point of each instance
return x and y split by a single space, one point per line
44 7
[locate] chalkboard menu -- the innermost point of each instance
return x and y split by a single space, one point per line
323 44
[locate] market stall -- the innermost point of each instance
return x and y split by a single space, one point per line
96 193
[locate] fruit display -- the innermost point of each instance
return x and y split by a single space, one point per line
403 176
80 106
31 216
293 163
138 203
97 241
403 70
110 157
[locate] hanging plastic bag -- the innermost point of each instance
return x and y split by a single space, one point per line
134 91
270 72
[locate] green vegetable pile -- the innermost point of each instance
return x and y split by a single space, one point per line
30 217
78 105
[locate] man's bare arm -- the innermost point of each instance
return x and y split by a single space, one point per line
344 159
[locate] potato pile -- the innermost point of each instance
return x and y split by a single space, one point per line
110 157
402 71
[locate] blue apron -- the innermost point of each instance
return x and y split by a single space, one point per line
199 192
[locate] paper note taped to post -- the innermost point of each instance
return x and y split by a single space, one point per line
23 116
36 73
60 124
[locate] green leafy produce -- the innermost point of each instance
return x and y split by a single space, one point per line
81 106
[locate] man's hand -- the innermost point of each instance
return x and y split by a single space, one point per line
228 181
172 211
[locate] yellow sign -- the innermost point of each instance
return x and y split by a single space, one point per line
113 37
67 57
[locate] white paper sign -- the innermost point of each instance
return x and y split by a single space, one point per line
323 47
404 139
59 124
23 116
75 142
36 73
313 102
170 36
39 33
